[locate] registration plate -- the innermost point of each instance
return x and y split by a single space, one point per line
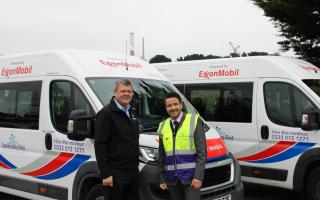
228 197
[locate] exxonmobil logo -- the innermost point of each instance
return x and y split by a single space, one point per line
119 63
219 73
310 68
14 71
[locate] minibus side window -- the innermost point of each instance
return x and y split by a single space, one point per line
20 105
285 103
223 102
65 97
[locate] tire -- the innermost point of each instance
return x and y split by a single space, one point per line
97 192
313 185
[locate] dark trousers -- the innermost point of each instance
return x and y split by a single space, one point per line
125 185
181 191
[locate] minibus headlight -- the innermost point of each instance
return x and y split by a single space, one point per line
149 155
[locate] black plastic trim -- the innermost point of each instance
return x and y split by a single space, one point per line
48 141
264 173
33 187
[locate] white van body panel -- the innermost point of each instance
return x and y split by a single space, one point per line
285 145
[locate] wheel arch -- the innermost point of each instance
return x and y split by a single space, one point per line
307 162
86 177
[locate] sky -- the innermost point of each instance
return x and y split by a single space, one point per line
172 28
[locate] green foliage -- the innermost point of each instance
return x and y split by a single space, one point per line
197 57
234 55
163 58
257 53
159 59
298 22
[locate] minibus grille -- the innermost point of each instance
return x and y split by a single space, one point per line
217 175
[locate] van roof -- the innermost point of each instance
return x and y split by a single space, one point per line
76 63
235 68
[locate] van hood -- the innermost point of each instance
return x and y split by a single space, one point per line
149 140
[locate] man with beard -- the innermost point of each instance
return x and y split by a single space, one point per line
182 151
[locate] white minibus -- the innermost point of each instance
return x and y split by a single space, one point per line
267 111
48 102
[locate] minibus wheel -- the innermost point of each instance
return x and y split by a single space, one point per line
97 192
313 185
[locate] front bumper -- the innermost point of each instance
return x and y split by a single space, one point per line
149 186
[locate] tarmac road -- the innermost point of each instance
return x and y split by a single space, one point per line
252 192
260 192
9 197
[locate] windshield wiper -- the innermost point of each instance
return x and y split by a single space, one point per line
150 129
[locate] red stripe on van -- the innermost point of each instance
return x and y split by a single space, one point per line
4 165
271 151
54 164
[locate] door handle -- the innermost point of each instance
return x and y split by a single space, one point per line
48 141
264 132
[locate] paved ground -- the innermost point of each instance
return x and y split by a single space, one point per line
9 197
259 192
252 192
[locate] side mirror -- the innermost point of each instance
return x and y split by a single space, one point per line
80 125
310 120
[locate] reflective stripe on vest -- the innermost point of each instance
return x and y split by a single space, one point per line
180 166
183 157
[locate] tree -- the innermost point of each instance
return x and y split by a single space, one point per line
257 53
197 57
212 57
234 55
298 22
191 57
159 59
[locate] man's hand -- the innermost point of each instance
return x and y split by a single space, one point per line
163 186
108 182
196 184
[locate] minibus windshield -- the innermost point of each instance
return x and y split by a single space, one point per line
313 84
148 99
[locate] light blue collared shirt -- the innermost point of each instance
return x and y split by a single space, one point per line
124 109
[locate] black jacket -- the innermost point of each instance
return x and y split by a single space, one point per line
116 140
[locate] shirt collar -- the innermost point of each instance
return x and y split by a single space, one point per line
120 106
178 118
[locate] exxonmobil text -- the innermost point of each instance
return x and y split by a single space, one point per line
21 70
219 73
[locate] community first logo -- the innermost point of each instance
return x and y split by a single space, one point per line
13 71
13 144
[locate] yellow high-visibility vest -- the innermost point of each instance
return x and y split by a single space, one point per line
184 142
